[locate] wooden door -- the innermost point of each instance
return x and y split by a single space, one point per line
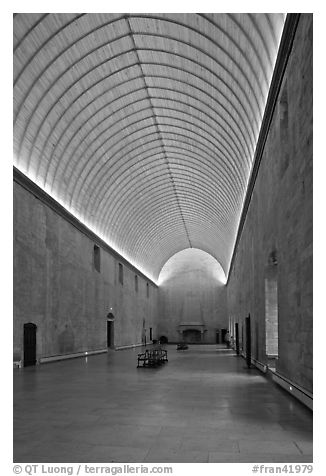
109 333
29 344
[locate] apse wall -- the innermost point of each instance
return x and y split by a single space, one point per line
192 298
67 291
277 235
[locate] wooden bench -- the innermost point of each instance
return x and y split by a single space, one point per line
153 357
182 346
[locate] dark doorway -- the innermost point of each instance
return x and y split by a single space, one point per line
223 333
29 344
237 346
217 337
248 341
109 333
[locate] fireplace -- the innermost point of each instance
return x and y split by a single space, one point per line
192 332
192 336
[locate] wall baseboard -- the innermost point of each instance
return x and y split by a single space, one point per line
123 347
54 358
193 343
75 355
260 366
295 390
298 392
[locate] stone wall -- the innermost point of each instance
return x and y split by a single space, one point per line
278 226
192 296
57 286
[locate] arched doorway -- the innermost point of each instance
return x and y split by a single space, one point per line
29 344
223 334
110 331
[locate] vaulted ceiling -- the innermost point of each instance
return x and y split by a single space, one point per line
144 126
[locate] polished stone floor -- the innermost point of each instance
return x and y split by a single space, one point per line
201 406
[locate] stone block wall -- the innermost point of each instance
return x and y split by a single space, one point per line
58 288
278 225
